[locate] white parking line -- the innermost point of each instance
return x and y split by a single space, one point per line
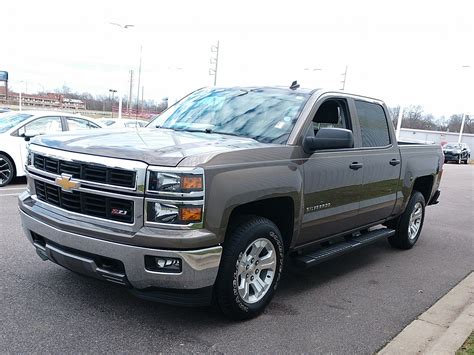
13 188
9 195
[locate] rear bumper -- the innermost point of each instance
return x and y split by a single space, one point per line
125 264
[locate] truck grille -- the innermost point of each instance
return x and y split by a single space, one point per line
85 203
84 171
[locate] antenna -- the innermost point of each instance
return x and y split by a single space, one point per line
294 85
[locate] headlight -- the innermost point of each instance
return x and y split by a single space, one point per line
458 152
174 182
175 196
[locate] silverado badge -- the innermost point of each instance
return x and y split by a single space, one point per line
66 183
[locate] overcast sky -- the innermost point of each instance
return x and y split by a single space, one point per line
405 52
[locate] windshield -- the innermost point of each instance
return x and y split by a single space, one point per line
266 115
10 120
453 146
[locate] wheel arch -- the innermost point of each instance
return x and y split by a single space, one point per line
279 210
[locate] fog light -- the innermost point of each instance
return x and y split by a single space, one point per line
163 264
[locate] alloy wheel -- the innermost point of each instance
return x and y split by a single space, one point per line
415 221
5 171
256 270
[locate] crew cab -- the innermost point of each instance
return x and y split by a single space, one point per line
230 186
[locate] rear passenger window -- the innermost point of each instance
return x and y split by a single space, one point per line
373 124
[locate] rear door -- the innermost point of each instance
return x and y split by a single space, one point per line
382 162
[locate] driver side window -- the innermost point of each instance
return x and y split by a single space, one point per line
332 113
43 125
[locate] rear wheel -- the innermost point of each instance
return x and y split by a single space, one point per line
7 170
251 267
408 226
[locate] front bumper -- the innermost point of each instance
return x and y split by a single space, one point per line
86 255
451 157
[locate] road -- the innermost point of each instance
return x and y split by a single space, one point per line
353 304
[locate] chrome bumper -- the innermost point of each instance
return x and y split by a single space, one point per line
71 250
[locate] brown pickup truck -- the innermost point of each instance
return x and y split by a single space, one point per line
223 190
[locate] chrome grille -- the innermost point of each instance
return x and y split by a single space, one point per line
110 208
84 171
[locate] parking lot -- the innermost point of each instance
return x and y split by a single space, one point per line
353 304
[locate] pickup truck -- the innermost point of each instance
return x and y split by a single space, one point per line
211 200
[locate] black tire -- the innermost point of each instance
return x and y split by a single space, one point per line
7 170
243 233
402 238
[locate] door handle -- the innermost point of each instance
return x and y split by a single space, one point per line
356 166
394 162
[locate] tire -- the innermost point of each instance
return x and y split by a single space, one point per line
236 296
407 227
7 170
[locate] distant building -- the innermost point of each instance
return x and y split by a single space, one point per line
49 100
438 137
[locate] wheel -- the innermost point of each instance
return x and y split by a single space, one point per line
7 170
467 161
251 267
408 226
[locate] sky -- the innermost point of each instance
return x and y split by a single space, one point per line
404 52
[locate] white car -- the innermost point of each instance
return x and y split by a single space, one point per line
121 123
16 128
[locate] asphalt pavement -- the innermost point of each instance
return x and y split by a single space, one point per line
353 304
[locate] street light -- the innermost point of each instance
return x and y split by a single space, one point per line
464 113
125 27
113 91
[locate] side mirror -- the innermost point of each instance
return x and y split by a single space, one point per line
329 138
27 136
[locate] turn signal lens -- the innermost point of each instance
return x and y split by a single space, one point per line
191 182
190 214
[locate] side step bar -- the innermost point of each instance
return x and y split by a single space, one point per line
326 253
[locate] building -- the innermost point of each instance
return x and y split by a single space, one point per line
438 137
49 100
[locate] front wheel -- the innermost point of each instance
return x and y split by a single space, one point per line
251 267
7 170
408 226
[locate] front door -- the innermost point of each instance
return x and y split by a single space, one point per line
332 180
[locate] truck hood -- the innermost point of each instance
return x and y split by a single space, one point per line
151 145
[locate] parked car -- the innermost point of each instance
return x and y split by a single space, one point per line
16 128
236 183
458 152
121 123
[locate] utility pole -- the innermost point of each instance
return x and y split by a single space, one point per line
139 78
344 75
129 102
214 62
462 127
399 122
143 90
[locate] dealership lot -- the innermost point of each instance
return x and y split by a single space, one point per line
352 304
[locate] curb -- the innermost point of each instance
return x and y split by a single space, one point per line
443 328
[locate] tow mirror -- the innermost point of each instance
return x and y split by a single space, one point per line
329 138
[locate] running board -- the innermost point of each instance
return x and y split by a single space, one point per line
329 252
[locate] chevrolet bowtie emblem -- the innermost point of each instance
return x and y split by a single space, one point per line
66 184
